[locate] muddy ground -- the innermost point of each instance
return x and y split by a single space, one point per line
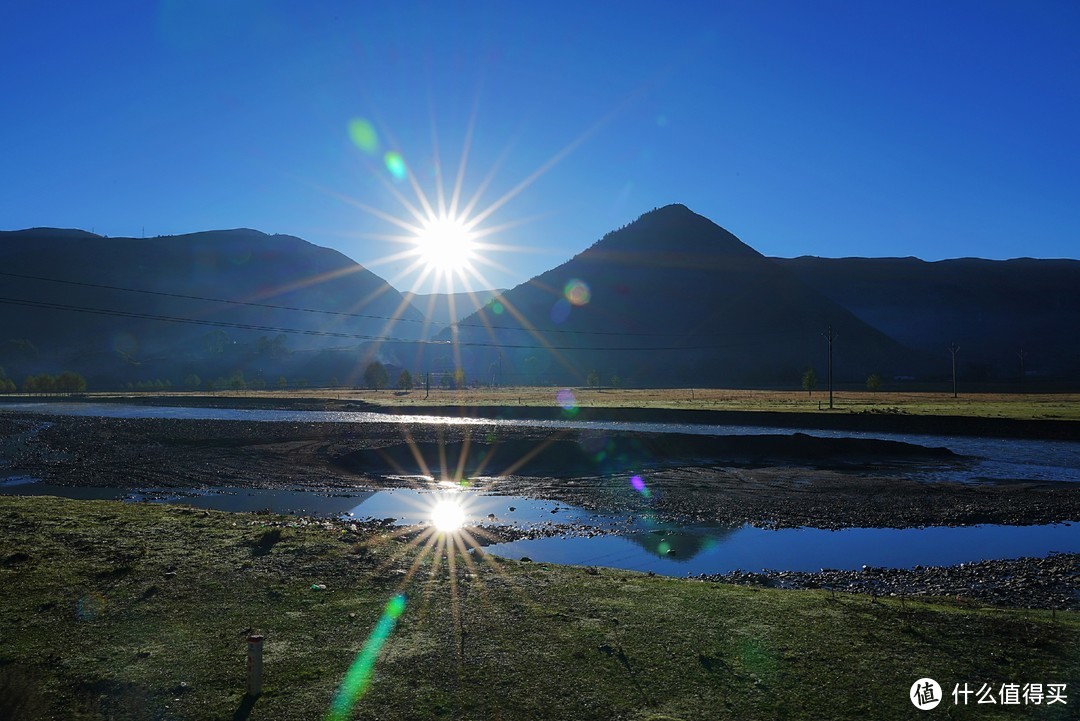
786 480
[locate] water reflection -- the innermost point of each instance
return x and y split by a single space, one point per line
802 549
641 543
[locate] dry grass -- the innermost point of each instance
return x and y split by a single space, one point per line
1064 406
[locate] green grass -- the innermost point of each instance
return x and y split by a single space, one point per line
114 610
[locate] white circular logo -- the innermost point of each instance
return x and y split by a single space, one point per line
925 694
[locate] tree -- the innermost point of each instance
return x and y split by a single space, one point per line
405 381
592 379
192 381
809 381
873 382
375 375
282 383
615 381
459 378
71 382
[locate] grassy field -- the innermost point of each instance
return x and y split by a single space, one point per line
989 405
113 610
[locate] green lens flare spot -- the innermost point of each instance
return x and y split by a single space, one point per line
396 165
363 135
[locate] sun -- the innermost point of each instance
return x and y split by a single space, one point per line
446 244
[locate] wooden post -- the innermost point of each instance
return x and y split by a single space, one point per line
254 665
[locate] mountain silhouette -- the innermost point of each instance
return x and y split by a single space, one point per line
992 309
118 334
671 299
442 309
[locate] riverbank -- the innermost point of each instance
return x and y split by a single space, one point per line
1037 416
779 481
115 610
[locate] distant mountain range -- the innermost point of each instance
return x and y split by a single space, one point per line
994 310
178 325
675 299
670 299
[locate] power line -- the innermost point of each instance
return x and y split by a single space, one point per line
334 334
323 311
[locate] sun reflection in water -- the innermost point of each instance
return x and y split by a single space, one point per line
448 515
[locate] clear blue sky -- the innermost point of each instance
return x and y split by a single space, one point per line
826 128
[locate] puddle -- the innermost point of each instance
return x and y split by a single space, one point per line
618 541
17 481
804 549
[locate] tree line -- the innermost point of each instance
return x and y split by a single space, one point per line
65 382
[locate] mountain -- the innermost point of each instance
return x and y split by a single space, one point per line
671 299
96 323
442 309
992 309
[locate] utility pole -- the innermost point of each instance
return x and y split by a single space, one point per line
830 336
427 384
953 348
1022 355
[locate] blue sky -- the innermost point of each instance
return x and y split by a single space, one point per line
829 128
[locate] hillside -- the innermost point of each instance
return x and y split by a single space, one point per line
671 299
442 309
992 309
115 335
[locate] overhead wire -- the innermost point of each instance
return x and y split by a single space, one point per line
300 309
46 305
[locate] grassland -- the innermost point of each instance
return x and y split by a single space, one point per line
114 610
1020 406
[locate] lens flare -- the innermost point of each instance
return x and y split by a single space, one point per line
577 292
362 133
567 401
90 607
560 311
638 484
396 165
358 677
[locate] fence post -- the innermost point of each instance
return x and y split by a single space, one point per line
254 665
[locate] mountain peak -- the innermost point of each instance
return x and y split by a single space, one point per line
672 232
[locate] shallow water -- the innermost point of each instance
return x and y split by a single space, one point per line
803 549
627 542
999 459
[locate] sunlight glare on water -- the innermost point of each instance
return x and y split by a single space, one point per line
447 515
